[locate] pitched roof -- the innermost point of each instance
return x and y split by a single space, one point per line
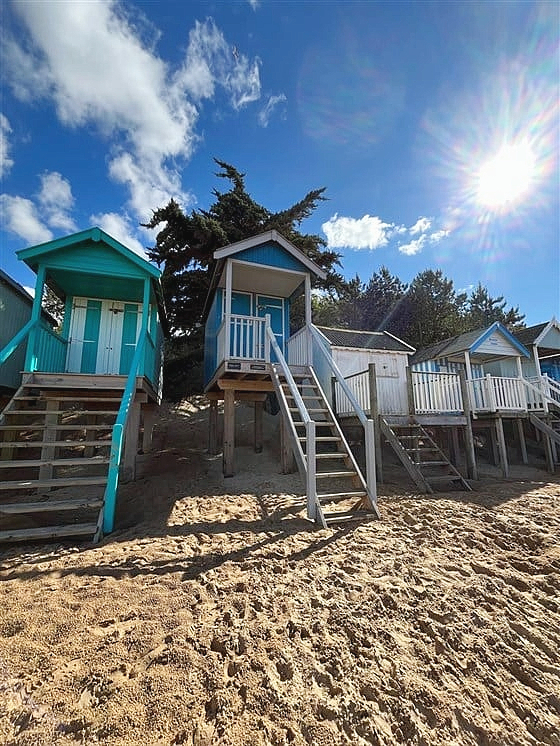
365 340
531 334
468 341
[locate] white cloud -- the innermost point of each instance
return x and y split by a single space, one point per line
5 161
120 228
415 246
266 112
254 4
422 225
56 200
368 232
20 216
92 61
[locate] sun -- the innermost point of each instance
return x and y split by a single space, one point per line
507 177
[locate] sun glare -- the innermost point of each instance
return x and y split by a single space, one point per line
507 177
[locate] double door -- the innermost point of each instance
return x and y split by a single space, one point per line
103 336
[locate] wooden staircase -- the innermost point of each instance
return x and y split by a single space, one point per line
54 461
424 461
341 493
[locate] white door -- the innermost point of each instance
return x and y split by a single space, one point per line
110 337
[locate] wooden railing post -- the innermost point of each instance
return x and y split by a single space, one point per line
311 471
266 339
472 470
374 414
410 392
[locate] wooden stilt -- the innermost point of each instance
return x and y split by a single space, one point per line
454 445
547 443
229 432
502 447
259 407
286 452
374 412
149 415
213 428
470 453
49 434
494 446
131 443
522 443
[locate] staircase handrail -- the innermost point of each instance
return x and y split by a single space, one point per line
553 386
366 422
546 398
15 342
117 439
304 414
307 460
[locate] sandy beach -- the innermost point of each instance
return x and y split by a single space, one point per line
216 614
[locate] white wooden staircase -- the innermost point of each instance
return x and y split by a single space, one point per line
337 490
54 460
425 462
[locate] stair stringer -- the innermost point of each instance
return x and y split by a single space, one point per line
415 473
372 502
18 507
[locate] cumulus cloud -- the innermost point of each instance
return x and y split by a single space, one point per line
368 232
93 62
422 225
5 161
20 216
119 227
266 112
418 244
55 199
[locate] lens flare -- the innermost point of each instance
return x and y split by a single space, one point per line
507 177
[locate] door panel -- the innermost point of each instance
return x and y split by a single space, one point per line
274 307
131 323
91 337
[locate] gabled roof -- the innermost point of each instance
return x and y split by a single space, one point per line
274 237
466 342
25 296
365 340
31 254
533 335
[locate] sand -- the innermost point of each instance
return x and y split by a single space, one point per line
223 617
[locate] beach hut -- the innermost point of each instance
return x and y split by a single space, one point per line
87 390
253 351
543 341
15 311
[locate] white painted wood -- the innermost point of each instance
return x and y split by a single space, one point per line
76 337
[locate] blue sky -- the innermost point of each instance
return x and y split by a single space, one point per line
434 127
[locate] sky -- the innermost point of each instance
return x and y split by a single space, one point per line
434 127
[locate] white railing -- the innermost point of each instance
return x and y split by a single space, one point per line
297 348
436 392
493 393
247 338
358 383
325 359
551 389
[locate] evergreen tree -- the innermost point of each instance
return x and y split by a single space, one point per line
483 310
432 310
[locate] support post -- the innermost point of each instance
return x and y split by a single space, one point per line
149 415
470 455
502 447
47 451
522 442
213 428
131 443
311 471
286 453
410 392
30 355
454 445
229 432
259 406
374 413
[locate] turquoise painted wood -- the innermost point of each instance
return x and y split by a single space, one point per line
128 342
271 255
273 307
90 344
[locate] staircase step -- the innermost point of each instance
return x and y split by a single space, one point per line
322 410
28 484
324 439
444 478
55 443
331 454
335 474
96 399
63 412
430 463
22 463
332 497
50 505
48 532
346 516
27 426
